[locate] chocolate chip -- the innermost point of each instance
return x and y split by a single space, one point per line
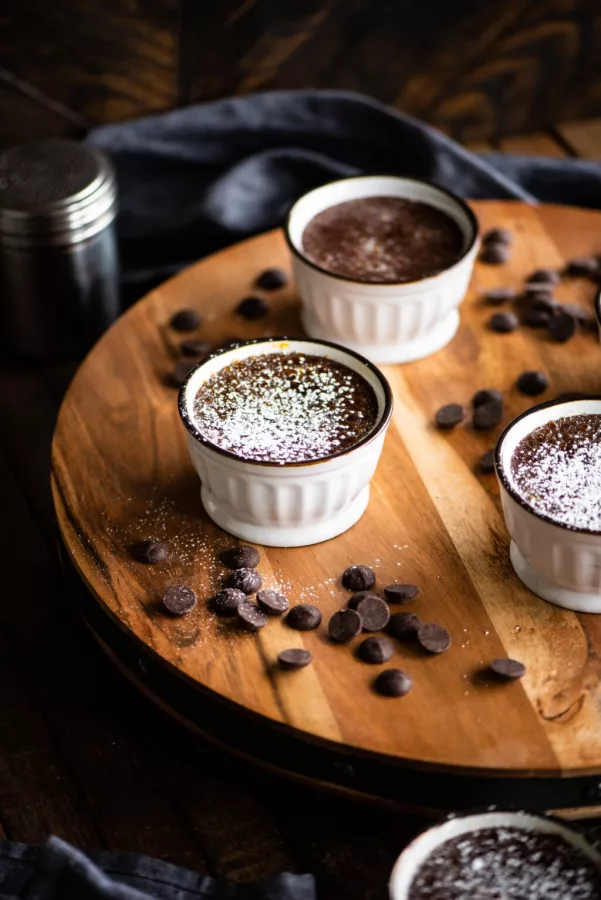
536 318
246 580
487 416
495 253
152 552
532 383
304 617
503 322
544 276
487 395
345 625
487 462
358 578
294 658
497 236
252 308
180 372
450 415
401 593
194 348
271 280
250 617
508 668
433 638
227 601
375 650
404 625
374 613
562 327
272 603
356 599
498 296
536 289
185 320
583 316
587 266
240 557
179 599
393 683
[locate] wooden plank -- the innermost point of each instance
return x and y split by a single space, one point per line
479 146
25 118
583 137
536 144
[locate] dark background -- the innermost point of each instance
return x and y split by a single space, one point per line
476 68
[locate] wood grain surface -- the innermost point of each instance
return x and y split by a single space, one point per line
121 473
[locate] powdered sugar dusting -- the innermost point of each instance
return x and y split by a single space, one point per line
557 470
285 407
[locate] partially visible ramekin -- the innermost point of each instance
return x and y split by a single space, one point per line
418 851
388 323
294 504
559 563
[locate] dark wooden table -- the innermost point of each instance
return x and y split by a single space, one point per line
84 756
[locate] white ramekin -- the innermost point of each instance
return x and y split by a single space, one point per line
560 564
388 323
294 504
413 857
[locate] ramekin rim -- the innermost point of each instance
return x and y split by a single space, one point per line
366 439
472 218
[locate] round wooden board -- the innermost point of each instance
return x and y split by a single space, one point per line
121 473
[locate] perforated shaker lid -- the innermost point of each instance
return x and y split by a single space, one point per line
55 187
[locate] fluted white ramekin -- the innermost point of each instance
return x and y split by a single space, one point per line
388 323
294 504
418 851
559 563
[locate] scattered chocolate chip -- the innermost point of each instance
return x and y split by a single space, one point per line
185 320
487 416
587 266
152 552
393 683
304 617
194 348
401 593
495 254
250 617
344 625
487 462
356 599
543 302
227 601
534 289
433 638
503 322
532 383
562 327
487 395
404 625
358 578
536 318
449 415
583 316
498 296
375 650
374 613
252 308
180 372
497 236
508 668
294 658
240 557
271 280
246 580
272 603
544 276
179 599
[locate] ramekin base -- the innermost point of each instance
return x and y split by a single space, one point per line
560 596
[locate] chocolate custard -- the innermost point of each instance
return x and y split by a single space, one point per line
557 470
285 408
382 240
506 864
